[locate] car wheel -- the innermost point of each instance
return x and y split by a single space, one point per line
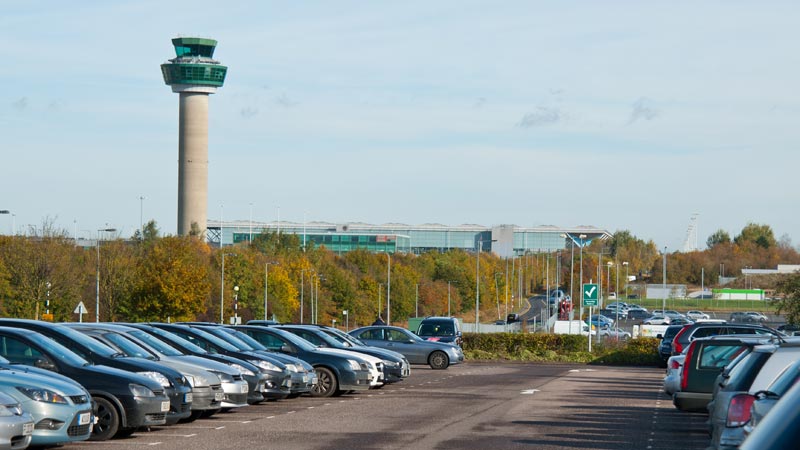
438 360
326 385
107 421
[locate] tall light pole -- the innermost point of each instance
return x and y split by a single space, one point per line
448 297
664 283
236 305
625 263
47 299
97 287
478 283
222 287
608 278
497 293
388 289
266 286
141 216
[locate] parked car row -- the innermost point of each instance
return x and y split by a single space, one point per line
68 382
737 373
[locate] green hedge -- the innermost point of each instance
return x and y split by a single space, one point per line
559 348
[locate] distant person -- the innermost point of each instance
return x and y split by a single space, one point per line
379 321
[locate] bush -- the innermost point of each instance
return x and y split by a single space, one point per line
559 348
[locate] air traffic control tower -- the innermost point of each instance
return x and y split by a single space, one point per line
193 74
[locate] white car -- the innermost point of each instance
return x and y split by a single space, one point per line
697 315
615 333
658 320
672 380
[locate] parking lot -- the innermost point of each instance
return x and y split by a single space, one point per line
470 406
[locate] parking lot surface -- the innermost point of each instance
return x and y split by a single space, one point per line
470 406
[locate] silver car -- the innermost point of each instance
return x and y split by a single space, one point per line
16 425
61 408
417 350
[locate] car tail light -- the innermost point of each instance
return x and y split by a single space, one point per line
674 365
677 347
434 339
739 410
686 363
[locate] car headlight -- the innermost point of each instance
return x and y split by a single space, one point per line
293 368
223 377
243 370
42 395
354 364
391 364
157 377
140 391
265 365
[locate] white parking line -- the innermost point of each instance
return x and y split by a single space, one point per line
176 435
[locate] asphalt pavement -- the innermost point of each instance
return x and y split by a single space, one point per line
469 406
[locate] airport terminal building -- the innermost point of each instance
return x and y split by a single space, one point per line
503 240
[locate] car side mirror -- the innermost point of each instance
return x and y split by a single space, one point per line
410 341
286 349
44 364
659 336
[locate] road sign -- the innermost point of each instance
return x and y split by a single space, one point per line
590 294
80 309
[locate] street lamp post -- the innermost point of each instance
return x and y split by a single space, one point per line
222 288
625 263
448 297
497 293
388 289
47 299
664 283
236 305
97 279
478 283
266 286
5 211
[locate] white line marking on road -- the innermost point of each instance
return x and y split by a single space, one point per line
530 391
271 417
311 407
177 435
291 412
574 370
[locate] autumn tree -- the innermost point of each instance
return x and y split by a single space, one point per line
718 237
788 302
173 281
760 235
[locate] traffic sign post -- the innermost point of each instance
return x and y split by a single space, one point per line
80 310
589 297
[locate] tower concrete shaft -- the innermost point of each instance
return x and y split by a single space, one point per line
193 74
192 162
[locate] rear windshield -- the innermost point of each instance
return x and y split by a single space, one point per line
718 356
786 379
671 332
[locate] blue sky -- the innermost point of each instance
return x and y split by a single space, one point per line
622 115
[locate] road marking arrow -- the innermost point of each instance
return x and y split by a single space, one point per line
529 391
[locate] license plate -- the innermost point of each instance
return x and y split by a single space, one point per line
165 406
187 398
84 418
27 429
305 378
245 389
219 396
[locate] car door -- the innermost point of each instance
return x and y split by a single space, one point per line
414 351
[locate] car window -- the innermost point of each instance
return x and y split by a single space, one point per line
310 337
267 340
18 351
786 379
396 335
155 343
718 356
128 347
705 332
373 335
745 330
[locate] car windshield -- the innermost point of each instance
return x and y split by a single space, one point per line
228 338
85 341
339 334
177 341
399 334
246 339
294 340
155 343
437 329
57 351
209 339
128 347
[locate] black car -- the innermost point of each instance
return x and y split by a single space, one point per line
440 329
175 385
665 347
250 372
276 385
303 376
124 401
336 373
395 365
